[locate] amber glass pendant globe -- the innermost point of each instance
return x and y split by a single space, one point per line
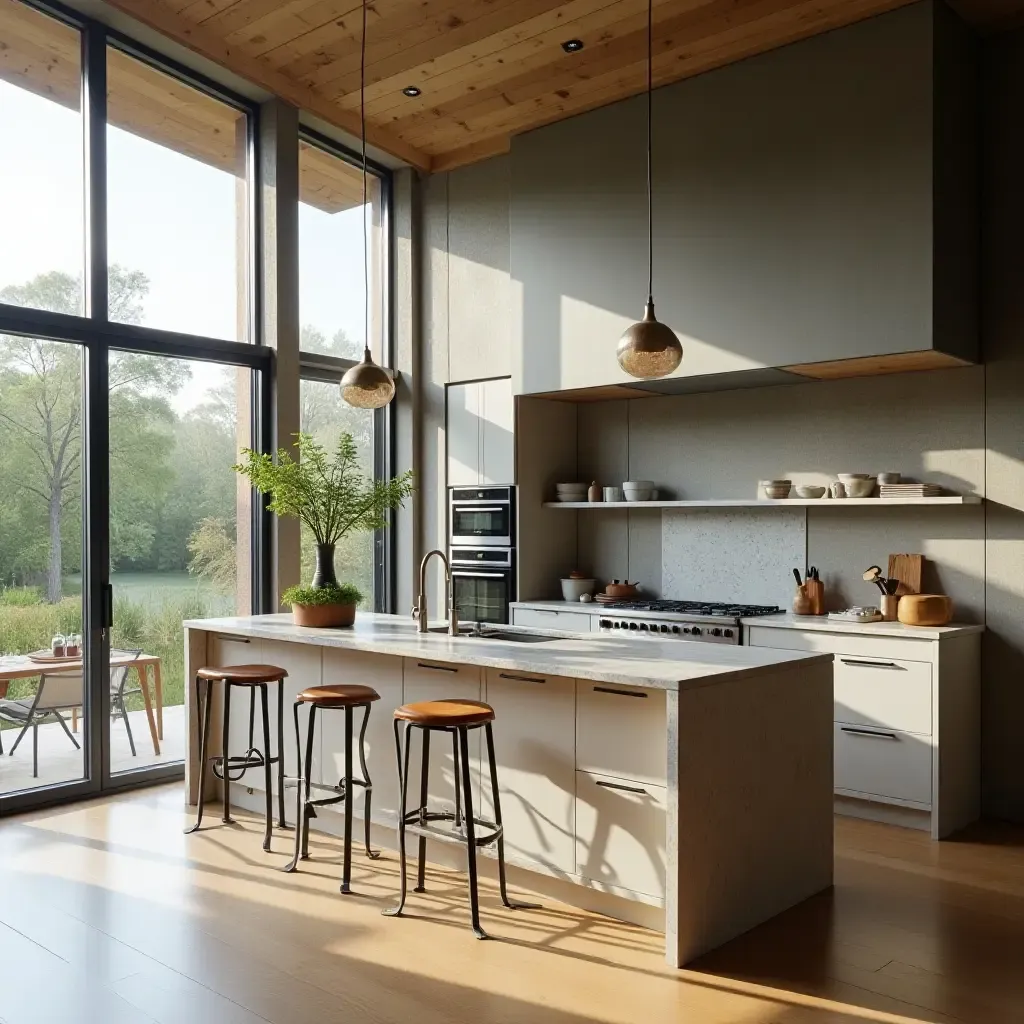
366 385
649 348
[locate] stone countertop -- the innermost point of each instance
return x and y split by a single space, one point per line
665 665
896 630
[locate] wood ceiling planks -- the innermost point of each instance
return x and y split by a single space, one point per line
489 69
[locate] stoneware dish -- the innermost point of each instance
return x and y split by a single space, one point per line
776 490
857 485
889 478
573 589
809 491
638 490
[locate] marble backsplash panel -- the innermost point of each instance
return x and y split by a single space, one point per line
742 554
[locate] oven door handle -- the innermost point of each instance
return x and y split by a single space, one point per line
477 508
480 575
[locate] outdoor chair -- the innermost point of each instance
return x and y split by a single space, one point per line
63 691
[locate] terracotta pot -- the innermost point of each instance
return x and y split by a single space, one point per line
323 616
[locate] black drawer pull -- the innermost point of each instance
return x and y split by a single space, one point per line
234 640
869 664
877 733
436 668
625 789
521 679
621 693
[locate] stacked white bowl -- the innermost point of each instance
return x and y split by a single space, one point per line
571 492
639 490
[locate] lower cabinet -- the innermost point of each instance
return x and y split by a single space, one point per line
384 674
883 764
435 680
534 749
553 618
621 833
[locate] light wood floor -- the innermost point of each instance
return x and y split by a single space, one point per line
108 914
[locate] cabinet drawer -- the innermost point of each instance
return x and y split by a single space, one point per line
883 764
884 692
622 731
552 618
621 833
905 648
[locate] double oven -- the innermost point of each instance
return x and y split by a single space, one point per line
481 548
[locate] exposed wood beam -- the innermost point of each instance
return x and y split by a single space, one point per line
156 15
494 146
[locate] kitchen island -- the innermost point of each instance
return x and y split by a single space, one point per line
683 785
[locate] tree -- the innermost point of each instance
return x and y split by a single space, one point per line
41 415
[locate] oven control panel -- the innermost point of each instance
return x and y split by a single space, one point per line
663 630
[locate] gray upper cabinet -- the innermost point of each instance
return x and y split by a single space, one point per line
480 434
812 204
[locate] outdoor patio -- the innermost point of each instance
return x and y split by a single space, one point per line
59 761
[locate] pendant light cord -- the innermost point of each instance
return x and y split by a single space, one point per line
650 174
362 137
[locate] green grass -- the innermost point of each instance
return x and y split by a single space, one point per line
148 611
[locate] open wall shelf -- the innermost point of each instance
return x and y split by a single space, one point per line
829 503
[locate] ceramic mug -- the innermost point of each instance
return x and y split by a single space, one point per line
613 494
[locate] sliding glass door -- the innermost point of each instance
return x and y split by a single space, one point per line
130 376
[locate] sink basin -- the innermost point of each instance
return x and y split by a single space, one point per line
497 634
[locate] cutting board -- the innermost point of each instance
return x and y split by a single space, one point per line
907 569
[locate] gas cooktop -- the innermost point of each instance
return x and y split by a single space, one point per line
690 608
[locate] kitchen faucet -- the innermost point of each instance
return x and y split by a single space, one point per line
419 612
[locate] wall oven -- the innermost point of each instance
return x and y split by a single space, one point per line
482 582
481 517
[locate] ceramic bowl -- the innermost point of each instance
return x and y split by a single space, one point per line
889 478
573 590
637 493
776 489
571 488
639 485
809 491
857 485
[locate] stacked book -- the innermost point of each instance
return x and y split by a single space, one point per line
909 490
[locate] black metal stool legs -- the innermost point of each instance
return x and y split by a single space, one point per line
368 798
204 742
467 796
226 807
403 775
282 821
496 800
421 865
268 828
346 853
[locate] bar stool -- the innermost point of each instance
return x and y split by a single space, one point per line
250 677
457 717
322 698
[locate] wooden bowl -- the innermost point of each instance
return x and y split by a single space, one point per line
925 610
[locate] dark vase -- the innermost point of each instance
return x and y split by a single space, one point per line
324 575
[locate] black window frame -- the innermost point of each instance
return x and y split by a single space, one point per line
327 369
97 336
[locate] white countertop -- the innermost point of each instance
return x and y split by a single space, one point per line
665 665
823 624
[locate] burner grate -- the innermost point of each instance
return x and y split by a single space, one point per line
689 608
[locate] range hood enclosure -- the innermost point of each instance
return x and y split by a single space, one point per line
816 214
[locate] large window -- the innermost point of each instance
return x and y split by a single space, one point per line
41 176
177 204
335 309
120 418
332 225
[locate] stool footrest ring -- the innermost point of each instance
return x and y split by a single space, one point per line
240 763
417 824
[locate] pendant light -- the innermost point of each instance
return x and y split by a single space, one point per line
366 385
649 348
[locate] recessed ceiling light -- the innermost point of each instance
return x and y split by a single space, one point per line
411 90
572 45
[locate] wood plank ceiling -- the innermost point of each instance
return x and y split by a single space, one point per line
489 69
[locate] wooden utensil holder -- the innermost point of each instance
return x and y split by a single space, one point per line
802 601
889 607
816 595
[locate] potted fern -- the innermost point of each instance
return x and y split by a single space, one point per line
330 494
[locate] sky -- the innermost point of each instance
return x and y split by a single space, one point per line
169 216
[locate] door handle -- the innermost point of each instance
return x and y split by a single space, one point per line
521 679
877 733
436 668
868 663
620 693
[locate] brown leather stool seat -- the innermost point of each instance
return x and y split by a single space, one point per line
338 695
243 675
446 713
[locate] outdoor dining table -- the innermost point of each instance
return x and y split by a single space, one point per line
20 666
